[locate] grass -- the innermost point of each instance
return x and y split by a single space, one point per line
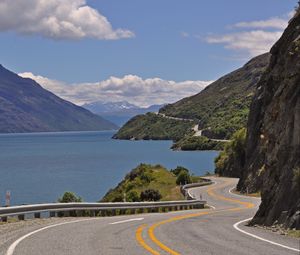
146 177
9 220
294 233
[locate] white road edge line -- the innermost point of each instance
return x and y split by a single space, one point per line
124 221
12 247
192 195
260 238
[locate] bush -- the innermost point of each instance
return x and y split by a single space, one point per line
178 169
69 197
233 155
191 143
146 177
150 195
117 198
183 178
133 196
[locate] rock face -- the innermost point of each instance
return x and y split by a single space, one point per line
273 140
26 107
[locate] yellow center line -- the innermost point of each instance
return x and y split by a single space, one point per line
210 191
141 241
160 244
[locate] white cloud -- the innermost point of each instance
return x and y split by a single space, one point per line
184 34
253 42
56 19
132 88
277 23
258 36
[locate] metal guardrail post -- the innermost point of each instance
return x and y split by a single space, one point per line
37 215
52 214
21 217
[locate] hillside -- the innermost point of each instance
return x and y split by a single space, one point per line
220 109
26 107
145 177
154 127
272 162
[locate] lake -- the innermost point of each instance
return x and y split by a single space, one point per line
40 167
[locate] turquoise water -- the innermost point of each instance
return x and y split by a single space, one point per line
39 167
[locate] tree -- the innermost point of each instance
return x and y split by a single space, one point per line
150 195
183 178
178 169
69 197
133 196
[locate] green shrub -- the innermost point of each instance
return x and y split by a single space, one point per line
146 177
183 178
190 143
133 196
117 198
69 197
150 195
178 169
233 152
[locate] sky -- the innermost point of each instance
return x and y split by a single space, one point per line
144 52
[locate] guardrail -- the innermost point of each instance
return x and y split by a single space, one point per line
105 209
96 209
185 188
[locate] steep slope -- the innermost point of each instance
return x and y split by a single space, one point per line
26 107
152 126
220 109
273 142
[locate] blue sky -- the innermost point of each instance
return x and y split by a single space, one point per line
171 40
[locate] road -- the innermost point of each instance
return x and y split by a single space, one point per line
196 129
198 132
206 231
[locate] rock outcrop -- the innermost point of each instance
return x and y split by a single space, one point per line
273 140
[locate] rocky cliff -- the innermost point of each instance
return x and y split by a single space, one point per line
273 140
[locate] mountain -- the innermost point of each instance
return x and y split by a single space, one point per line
152 126
220 109
119 112
26 107
272 160
109 107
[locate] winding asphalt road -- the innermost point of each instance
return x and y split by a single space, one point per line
206 231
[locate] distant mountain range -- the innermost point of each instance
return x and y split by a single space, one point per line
26 107
119 112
